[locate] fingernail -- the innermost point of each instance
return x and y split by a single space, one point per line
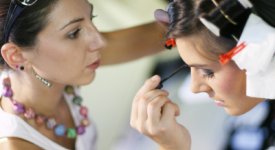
155 78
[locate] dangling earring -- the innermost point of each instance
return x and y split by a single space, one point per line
7 92
44 81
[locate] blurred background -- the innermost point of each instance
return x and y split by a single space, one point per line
110 96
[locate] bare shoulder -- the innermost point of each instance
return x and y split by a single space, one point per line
13 143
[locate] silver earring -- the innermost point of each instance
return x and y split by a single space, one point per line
44 81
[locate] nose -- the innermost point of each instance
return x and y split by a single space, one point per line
198 83
96 41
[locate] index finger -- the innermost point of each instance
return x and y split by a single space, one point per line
150 84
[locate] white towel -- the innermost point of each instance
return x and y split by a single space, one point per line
258 58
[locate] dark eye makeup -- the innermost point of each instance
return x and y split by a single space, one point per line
74 34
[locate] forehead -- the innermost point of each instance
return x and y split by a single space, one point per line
68 9
191 51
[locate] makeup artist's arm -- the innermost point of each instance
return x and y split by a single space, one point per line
154 115
132 43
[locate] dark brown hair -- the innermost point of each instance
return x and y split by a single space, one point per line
31 21
185 22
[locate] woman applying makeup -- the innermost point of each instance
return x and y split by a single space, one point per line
229 47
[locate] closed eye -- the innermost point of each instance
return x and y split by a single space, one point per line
207 73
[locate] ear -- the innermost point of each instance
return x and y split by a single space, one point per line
12 55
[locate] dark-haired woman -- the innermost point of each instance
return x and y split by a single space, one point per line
48 49
229 47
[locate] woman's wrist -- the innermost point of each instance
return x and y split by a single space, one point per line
183 142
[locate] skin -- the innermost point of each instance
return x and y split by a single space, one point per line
154 114
132 43
225 84
76 44
126 44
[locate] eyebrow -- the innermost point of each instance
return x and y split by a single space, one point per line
76 20
198 65
72 22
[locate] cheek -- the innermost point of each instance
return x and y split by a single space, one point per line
55 65
227 83
62 56
232 82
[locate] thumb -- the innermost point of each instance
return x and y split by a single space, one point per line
161 16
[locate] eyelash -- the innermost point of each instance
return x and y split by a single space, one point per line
74 34
92 16
208 73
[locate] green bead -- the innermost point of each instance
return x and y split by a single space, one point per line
69 89
71 133
77 100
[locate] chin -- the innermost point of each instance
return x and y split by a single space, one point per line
245 106
234 112
87 80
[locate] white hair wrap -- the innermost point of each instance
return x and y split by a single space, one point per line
258 58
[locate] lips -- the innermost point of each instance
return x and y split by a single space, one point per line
94 65
219 103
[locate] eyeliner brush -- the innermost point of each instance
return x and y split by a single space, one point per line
171 75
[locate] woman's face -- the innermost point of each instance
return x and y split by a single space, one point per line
68 49
224 83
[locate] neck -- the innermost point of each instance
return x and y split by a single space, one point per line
32 93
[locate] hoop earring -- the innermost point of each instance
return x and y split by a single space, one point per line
41 79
